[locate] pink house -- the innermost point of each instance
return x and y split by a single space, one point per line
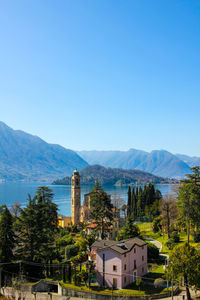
118 264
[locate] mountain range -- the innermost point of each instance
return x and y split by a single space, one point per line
27 157
114 176
158 162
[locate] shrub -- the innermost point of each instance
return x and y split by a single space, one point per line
175 237
170 244
76 277
156 225
139 282
159 282
153 252
197 237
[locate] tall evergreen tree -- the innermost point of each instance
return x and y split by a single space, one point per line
7 240
101 210
129 201
37 226
133 204
189 200
130 230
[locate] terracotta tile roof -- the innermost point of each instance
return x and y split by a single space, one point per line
120 246
92 226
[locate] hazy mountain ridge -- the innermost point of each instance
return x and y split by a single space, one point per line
27 157
114 176
190 160
158 162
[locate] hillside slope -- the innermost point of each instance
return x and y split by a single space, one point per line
27 157
192 161
158 162
109 176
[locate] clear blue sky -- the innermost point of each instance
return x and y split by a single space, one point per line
103 74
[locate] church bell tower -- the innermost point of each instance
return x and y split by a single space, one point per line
75 197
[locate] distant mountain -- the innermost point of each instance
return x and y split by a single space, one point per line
190 160
158 162
27 157
109 176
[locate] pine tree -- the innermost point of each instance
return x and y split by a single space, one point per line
130 230
37 226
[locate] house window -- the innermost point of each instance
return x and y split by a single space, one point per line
142 247
142 258
114 268
125 255
114 283
134 264
125 267
124 279
142 270
134 250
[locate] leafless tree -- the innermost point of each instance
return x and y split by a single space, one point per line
169 212
15 208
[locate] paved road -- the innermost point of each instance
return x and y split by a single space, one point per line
158 245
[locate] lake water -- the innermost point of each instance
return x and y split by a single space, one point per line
17 191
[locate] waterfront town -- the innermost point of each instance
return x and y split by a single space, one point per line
104 248
99 150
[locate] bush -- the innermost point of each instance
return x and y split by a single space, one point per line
156 225
139 282
175 237
152 252
197 237
159 282
170 244
77 277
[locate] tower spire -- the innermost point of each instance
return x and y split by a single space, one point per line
75 197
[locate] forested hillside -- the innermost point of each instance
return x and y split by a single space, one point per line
109 176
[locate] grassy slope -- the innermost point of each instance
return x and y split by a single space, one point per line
146 231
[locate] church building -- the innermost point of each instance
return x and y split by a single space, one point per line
82 213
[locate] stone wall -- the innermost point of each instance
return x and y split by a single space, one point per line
27 295
67 293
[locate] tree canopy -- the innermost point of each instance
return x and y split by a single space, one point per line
130 230
101 210
7 237
185 262
37 225
189 200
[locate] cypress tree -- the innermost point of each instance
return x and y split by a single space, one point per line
133 204
129 202
139 203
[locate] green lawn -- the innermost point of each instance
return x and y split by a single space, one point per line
146 231
131 290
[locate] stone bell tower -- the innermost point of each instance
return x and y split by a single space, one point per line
75 197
